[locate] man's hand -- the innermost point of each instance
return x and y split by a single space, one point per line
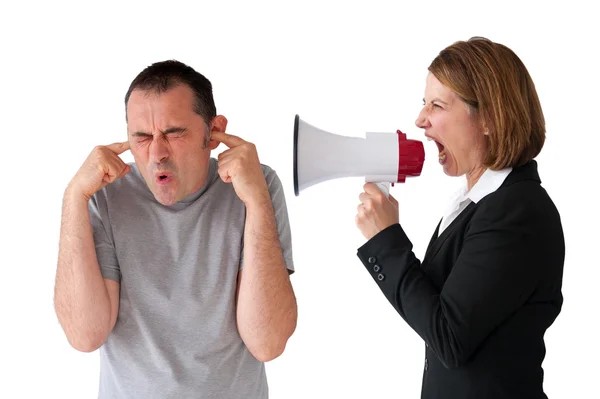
102 167
240 166
375 212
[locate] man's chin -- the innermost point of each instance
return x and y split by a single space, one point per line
165 197
165 202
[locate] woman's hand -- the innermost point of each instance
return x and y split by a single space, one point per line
375 212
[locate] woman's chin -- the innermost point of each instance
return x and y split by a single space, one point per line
449 173
449 168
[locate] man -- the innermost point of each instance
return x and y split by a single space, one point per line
177 265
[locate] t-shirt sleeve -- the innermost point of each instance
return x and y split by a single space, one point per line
281 218
103 240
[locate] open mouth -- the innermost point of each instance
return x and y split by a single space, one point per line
163 178
441 152
441 149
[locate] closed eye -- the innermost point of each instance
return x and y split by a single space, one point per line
174 131
433 104
141 136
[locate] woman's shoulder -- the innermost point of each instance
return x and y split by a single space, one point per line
521 194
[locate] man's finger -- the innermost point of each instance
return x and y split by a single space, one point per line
118 148
126 170
228 139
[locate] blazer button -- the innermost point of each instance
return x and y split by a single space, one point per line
426 364
380 277
372 259
376 268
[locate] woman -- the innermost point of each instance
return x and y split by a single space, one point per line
490 282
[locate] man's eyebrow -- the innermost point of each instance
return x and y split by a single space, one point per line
175 129
139 133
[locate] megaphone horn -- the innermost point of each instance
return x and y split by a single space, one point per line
382 158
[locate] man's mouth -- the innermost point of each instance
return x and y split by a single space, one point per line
163 178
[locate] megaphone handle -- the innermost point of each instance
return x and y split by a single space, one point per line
385 188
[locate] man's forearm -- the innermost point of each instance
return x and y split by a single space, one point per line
81 299
267 310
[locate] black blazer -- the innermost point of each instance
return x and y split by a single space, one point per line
485 293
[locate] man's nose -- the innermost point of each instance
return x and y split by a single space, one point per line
159 150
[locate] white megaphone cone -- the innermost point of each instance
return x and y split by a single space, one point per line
382 158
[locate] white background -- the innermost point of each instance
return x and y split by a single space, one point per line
346 67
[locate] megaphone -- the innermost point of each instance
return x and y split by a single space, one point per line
382 158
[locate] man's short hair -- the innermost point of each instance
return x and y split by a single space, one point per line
162 76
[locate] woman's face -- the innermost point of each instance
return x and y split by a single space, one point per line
457 132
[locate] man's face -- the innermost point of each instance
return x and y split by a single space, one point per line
169 141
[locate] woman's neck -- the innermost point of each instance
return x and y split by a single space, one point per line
474 175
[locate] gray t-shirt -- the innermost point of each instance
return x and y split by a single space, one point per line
176 333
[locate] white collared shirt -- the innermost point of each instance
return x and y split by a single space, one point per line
489 182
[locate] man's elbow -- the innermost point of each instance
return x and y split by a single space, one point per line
85 341
265 355
268 351
89 343
273 348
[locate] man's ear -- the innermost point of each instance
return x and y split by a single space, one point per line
218 124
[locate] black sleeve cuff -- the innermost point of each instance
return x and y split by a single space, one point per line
385 257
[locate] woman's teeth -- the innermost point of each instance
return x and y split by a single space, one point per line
442 156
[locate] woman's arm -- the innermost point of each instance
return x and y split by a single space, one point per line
513 239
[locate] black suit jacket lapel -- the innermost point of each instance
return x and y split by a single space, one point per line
436 242
524 172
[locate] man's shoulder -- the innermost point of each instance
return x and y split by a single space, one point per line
267 169
270 175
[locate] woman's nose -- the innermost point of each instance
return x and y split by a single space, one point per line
422 119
